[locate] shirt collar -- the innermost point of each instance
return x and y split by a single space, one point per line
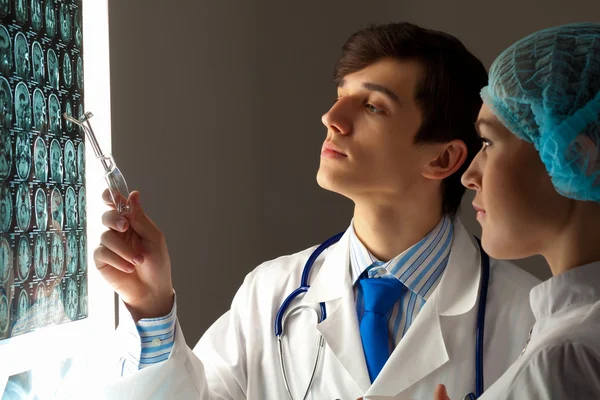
576 287
418 267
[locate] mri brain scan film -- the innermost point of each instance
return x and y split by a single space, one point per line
43 247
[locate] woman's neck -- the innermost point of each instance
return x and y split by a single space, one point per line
578 243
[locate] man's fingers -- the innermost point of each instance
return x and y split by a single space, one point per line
113 242
105 259
140 222
440 393
112 220
107 198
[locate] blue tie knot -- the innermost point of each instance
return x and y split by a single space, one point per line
380 294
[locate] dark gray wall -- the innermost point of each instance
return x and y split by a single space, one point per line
216 119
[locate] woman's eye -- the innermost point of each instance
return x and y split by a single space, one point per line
485 142
373 109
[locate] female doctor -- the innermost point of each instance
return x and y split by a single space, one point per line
537 180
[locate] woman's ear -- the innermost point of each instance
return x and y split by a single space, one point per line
447 159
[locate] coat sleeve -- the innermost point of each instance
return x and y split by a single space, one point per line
215 370
562 371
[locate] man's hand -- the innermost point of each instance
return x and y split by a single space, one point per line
440 393
134 259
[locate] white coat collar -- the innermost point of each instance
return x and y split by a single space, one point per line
459 286
334 276
576 287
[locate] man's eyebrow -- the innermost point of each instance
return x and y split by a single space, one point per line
376 88
382 89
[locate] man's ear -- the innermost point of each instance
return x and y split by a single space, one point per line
446 159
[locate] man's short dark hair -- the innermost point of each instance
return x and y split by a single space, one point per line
448 94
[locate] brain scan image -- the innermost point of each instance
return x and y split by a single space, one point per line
83 252
79 73
22 310
22 107
5 154
67 70
6 54
38 64
71 299
53 74
56 304
36 15
23 155
65 23
72 253
57 209
81 207
40 306
50 12
24 258
40 256
40 153
78 30
22 66
4 313
70 163
41 210
4 8
5 207
6 102
21 11
39 111
81 162
57 255
69 111
23 207
83 298
56 162
55 115
71 208
6 260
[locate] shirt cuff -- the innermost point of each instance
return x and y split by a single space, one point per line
149 341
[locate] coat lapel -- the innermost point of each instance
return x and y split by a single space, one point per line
333 286
424 347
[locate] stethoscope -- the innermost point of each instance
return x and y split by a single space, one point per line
304 286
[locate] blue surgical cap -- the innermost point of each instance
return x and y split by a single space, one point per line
545 88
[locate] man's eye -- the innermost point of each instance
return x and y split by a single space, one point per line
373 109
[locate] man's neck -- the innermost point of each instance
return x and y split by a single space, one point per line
388 229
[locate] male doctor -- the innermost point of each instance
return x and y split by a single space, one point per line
402 285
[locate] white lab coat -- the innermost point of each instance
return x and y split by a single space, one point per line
237 358
562 360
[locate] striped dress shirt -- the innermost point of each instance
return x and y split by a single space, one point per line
149 341
419 268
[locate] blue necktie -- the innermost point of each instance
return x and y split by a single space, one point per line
380 295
